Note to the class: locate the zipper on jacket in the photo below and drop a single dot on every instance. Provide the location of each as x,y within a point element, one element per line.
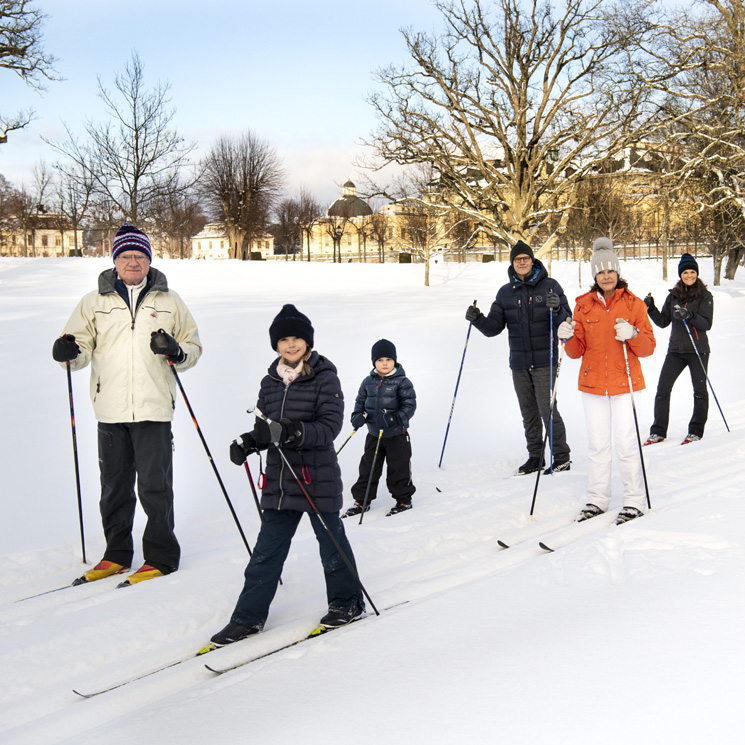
<point>281,459</point>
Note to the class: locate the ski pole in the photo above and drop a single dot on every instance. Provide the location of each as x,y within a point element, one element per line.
<point>209,456</point>
<point>369,478</point>
<point>550,419</point>
<point>344,557</point>
<point>636,423</point>
<point>256,497</point>
<point>457,383</point>
<point>75,455</point>
<point>551,383</point>
<point>690,336</point>
<point>253,488</point>
<point>346,441</point>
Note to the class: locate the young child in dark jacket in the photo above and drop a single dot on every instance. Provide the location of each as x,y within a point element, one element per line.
<point>386,402</point>
<point>302,406</point>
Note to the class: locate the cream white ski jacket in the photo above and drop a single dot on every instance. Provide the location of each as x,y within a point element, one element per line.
<point>128,382</point>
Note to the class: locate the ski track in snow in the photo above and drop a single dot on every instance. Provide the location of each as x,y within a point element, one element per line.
<point>637,628</point>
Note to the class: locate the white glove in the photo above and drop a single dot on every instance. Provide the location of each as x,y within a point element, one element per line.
<point>566,330</point>
<point>624,330</point>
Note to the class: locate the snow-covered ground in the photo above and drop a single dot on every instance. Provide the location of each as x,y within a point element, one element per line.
<point>632,634</point>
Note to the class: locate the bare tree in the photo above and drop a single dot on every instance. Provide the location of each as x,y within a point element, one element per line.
<point>8,200</point>
<point>336,227</point>
<point>241,181</point>
<point>135,157</point>
<point>379,230</point>
<point>22,52</point>
<point>286,230</point>
<point>177,217</point>
<point>513,103</point>
<point>309,212</point>
<point>74,191</point>
<point>702,60</point>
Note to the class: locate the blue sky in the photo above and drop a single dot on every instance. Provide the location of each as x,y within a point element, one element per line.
<point>296,73</point>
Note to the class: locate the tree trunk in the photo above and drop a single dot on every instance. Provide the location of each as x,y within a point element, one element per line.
<point>734,257</point>
<point>718,257</point>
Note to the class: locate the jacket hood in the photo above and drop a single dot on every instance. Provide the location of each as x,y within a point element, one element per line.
<point>156,280</point>
<point>316,362</point>
<point>397,372</point>
<point>624,295</point>
<point>537,274</point>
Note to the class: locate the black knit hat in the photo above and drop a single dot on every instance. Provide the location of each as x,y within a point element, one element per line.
<point>130,238</point>
<point>687,262</point>
<point>521,249</point>
<point>383,348</point>
<point>290,322</point>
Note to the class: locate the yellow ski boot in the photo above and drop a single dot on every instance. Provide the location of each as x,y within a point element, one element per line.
<point>101,570</point>
<point>143,573</point>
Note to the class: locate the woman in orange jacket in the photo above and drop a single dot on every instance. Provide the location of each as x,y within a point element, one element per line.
<point>604,319</point>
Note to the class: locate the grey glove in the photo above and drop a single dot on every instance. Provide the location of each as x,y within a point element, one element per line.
<point>552,300</point>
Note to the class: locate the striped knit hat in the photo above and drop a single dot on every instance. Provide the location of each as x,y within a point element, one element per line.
<point>687,262</point>
<point>130,238</point>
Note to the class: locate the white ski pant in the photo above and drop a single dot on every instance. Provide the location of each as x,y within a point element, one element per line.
<point>610,421</point>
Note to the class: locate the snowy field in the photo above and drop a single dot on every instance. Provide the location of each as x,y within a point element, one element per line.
<point>627,635</point>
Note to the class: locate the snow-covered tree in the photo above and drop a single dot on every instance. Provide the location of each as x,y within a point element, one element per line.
<point>513,103</point>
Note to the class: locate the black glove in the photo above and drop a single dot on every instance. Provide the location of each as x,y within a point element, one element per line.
<point>682,314</point>
<point>65,349</point>
<point>552,300</point>
<point>163,343</point>
<point>473,313</point>
<point>358,420</point>
<point>649,301</point>
<point>241,448</point>
<point>283,432</point>
<point>387,420</point>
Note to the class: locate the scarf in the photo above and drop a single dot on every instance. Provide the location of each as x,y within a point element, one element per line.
<point>287,373</point>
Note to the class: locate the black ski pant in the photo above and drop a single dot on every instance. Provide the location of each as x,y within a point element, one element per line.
<point>264,569</point>
<point>533,389</point>
<point>395,452</point>
<point>142,452</point>
<point>672,367</point>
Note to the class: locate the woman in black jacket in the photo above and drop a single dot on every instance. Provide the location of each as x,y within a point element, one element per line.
<point>688,303</point>
<point>301,411</point>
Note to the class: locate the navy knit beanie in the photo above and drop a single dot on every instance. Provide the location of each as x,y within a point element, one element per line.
<point>130,238</point>
<point>687,262</point>
<point>290,322</point>
<point>383,348</point>
<point>521,249</point>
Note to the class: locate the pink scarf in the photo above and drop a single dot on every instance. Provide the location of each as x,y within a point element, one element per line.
<point>287,373</point>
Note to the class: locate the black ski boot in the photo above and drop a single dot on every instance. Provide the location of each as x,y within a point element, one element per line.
<point>531,465</point>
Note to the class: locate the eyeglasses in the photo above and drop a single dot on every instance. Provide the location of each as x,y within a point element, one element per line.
<point>521,260</point>
<point>138,257</point>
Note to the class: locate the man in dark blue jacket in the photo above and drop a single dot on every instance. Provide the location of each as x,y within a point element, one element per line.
<point>524,306</point>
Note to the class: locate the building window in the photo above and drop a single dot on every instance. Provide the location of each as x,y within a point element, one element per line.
<point>44,240</point>
<point>58,240</point>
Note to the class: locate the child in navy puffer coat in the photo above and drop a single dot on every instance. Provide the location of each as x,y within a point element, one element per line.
<point>386,402</point>
<point>302,411</point>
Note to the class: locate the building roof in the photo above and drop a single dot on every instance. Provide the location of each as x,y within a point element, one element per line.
<point>349,204</point>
